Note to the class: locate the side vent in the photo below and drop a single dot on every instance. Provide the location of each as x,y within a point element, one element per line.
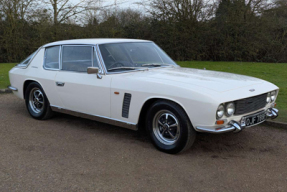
<point>126,105</point>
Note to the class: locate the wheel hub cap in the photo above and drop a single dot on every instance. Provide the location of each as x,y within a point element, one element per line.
<point>166,127</point>
<point>36,100</point>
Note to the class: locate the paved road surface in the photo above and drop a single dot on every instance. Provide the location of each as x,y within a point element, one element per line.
<point>73,154</point>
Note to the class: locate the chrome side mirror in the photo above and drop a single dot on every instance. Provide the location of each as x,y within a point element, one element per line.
<point>94,70</point>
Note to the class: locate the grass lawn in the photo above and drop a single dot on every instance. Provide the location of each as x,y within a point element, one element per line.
<point>274,72</point>
<point>4,78</point>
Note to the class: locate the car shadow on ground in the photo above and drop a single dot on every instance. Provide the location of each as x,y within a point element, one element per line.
<point>215,144</point>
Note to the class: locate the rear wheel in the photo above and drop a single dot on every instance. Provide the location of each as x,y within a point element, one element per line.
<point>37,103</point>
<point>169,127</point>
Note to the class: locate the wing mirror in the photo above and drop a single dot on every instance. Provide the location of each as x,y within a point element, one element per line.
<point>94,70</point>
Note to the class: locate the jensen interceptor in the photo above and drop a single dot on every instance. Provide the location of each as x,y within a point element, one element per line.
<point>134,84</point>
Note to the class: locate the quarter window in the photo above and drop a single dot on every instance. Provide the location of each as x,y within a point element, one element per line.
<point>26,61</point>
<point>52,57</point>
<point>77,58</point>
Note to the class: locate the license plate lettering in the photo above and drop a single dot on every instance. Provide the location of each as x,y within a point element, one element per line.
<point>261,117</point>
<point>255,119</point>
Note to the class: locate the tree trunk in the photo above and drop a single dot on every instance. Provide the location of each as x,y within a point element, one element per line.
<point>55,8</point>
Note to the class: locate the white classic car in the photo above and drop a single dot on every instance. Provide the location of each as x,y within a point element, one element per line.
<point>134,84</point>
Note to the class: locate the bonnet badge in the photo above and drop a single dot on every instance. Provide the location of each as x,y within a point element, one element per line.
<point>251,90</point>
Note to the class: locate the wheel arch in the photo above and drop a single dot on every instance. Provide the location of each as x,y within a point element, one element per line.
<point>148,103</point>
<point>27,82</point>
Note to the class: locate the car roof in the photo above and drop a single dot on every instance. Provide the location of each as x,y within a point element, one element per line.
<point>93,41</point>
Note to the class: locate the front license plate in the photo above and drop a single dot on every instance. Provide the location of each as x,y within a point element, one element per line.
<point>255,119</point>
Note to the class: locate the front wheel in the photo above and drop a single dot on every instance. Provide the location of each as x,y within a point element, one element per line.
<point>37,102</point>
<point>169,127</point>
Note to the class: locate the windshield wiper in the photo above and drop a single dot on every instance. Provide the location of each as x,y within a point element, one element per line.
<point>155,64</point>
<point>125,68</point>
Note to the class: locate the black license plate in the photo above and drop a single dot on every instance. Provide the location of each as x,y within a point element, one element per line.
<point>255,119</point>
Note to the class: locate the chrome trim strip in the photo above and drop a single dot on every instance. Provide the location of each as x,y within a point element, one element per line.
<point>50,69</point>
<point>60,57</point>
<point>129,71</point>
<point>100,57</point>
<point>223,130</point>
<point>141,41</point>
<point>102,119</point>
<point>96,51</point>
<point>61,43</point>
<point>12,88</point>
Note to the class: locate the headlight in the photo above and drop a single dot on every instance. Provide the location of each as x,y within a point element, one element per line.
<point>273,95</point>
<point>220,111</point>
<point>268,99</point>
<point>230,109</point>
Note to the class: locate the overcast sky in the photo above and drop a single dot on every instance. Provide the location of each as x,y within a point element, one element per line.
<point>120,3</point>
<point>123,3</point>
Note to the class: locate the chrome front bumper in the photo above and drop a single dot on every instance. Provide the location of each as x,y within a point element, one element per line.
<point>272,113</point>
<point>12,88</point>
<point>234,126</point>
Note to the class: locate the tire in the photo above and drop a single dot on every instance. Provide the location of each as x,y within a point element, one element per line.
<point>177,135</point>
<point>37,102</point>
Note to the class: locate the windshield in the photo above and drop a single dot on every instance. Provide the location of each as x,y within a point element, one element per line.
<point>132,56</point>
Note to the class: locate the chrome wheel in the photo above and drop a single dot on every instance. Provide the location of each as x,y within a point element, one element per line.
<point>36,100</point>
<point>166,127</point>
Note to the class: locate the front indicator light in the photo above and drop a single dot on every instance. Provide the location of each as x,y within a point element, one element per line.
<point>220,122</point>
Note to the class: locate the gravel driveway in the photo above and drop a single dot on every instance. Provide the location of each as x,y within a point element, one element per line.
<point>72,154</point>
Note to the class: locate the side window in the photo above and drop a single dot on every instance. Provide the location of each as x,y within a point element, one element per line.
<point>52,57</point>
<point>77,58</point>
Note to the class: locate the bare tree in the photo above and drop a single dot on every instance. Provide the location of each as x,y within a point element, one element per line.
<point>180,9</point>
<point>15,14</point>
<point>17,9</point>
<point>63,10</point>
<point>103,10</point>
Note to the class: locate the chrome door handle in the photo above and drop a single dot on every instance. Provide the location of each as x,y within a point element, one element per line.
<point>60,84</point>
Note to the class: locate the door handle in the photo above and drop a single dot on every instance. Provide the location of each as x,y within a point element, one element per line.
<point>60,84</point>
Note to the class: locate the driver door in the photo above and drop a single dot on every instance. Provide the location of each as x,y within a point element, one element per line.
<point>78,90</point>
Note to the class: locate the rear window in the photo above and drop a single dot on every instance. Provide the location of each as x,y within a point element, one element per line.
<point>52,57</point>
<point>26,61</point>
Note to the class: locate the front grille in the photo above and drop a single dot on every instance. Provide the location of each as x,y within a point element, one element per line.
<point>250,104</point>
